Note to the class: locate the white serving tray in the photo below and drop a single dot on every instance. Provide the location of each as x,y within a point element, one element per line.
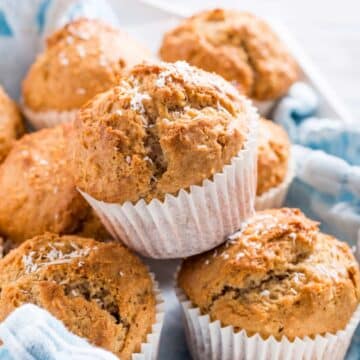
<point>173,345</point>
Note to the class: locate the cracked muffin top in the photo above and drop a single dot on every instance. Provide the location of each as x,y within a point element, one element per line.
<point>80,60</point>
<point>273,156</point>
<point>11,125</point>
<point>37,190</point>
<point>164,128</point>
<point>237,45</point>
<point>100,291</point>
<point>277,276</point>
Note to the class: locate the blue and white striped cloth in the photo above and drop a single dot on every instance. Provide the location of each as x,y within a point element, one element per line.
<point>32,333</point>
<point>327,185</point>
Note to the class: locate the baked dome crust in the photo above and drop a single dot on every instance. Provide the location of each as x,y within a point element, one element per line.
<point>238,46</point>
<point>278,276</point>
<point>100,291</point>
<point>164,128</point>
<point>81,59</point>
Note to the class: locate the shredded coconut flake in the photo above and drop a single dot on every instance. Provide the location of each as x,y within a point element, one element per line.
<point>63,59</point>
<point>81,50</point>
<point>69,40</point>
<point>265,293</point>
<point>43,162</point>
<point>194,76</point>
<point>136,102</point>
<point>74,292</point>
<point>103,61</point>
<point>234,236</point>
<point>146,158</point>
<point>128,159</point>
<point>28,262</point>
<point>80,34</point>
<point>328,272</point>
<point>81,91</point>
<point>239,255</point>
<point>54,257</point>
<point>293,291</point>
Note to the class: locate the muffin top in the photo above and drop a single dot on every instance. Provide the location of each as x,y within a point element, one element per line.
<point>37,190</point>
<point>237,45</point>
<point>11,126</point>
<point>100,291</point>
<point>273,156</point>
<point>80,60</point>
<point>164,128</point>
<point>278,275</point>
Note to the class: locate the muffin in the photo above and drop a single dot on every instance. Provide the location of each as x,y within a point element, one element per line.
<point>11,126</point>
<point>240,47</point>
<point>278,287</point>
<point>165,152</point>
<point>37,190</point>
<point>100,291</point>
<point>274,167</point>
<point>80,60</point>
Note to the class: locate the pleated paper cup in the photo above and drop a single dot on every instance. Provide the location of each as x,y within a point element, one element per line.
<point>50,118</point>
<point>150,348</point>
<point>209,340</point>
<point>275,197</point>
<point>194,221</point>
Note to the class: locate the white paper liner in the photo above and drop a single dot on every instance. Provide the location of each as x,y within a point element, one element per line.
<point>275,197</point>
<point>150,348</point>
<point>194,221</point>
<point>46,119</point>
<point>264,107</point>
<point>209,340</point>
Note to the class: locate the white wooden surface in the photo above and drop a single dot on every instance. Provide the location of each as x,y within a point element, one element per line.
<point>328,30</point>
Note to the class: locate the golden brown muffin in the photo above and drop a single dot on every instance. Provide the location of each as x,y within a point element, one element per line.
<point>277,276</point>
<point>11,125</point>
<point>237,45</point>
<point>164,128</point>
<point>100,291</point>
<point>82,59</point>
<point>273,156</point>
<point>37,190</point>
